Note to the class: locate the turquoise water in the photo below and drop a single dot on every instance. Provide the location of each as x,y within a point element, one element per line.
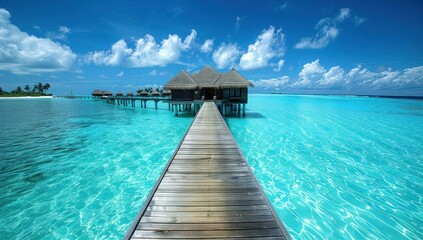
<point>338,167</point>
<point>79,169</point>
<point>333,167</point>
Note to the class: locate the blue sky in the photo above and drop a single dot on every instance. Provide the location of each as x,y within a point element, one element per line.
<point>345,47</point>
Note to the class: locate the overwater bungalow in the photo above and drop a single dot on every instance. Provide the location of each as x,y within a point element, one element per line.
<point>101,93</point>
<point>155,93</point>
<point>227,89</point>
<point>119,94</point>
<point>129,94</point>
<point>207,84</point>
<point>144,93</point>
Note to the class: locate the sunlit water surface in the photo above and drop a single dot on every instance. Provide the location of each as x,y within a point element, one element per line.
<point>333,167</point>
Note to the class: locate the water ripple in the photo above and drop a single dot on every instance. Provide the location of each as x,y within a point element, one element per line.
<point>337,167</point>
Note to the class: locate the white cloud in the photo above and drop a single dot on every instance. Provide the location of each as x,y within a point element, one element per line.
<point>314,75</point>
<point>328,30</point>
<point>278,66</point>
<point>207,46</point>
<point>104,76</point>
<point>21,53</point>
<point>358,20</point>
<point>157,73</point>
<point>60,34</point>
<point>226,55</point>
<point>112,57</point>
<point>311,73</point>
<point>272,82</point>
<point>269,44</point>
<point>189,40</point>
<point>411,76</point>
<point>238,22</point>
<point>332,77</point>
<point>146,53</point>
<point>120,74</point>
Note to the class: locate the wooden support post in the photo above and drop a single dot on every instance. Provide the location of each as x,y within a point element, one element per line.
<point>243,109</point>
<point>173,106</point>
<point>169,106</point>
<point>238,109</point>
<point>155,102</point>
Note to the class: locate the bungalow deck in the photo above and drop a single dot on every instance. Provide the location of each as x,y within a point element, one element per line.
<point>207,191</point>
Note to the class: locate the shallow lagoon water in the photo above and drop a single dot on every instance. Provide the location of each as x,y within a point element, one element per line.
<point>79,169</point>
<point>337,167</point>
<point>333,167</point>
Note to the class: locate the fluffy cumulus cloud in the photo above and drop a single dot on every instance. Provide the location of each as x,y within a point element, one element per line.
<point>268,45</point>
<point>314,76</point>
<point>21,53</point>
<point>226,55</point>
<point>147,52</point>
<point>272,83</point>
<point>113,57</point>
<point>332,77</point>
<point>207,46</point>
<point>310,73</point>
<point>327,30</point>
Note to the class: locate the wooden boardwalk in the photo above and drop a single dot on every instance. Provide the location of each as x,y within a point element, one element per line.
<point>207,191</point>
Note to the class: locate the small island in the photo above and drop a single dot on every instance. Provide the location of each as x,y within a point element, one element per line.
<point>38,90</point>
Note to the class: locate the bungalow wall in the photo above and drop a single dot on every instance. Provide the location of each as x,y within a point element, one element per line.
<point>235,95</point>
<point>182,95</point>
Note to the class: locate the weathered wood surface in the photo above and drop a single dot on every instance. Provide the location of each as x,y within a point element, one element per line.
<point>207,191</point>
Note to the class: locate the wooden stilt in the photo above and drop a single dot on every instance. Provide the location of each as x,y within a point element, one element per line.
<point>243,109</point>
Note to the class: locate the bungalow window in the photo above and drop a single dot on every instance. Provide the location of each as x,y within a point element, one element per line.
<point>235,92</point>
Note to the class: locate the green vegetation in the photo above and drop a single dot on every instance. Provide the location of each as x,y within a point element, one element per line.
<point>37,90</point>
<point>149,90</point>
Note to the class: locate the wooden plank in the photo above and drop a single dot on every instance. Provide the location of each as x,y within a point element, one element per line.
<point>207,226</point>
<point>207,191</point>
<point>210,234</point>
<point>207,204</point>
<point>207,209</point>
<point>209,219</point>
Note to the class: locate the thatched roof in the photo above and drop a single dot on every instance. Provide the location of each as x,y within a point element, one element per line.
<point>181,81</point>
<point>100,93</point>
<point>156,93</point>
<point>206,77</point>
<point>129,94</point>
<point>119,93</point>
<point>233,80</point>
<point>143,93</point>
<point>97,92</point>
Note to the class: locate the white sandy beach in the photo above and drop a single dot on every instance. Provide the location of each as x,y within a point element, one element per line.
<point>26,97</point>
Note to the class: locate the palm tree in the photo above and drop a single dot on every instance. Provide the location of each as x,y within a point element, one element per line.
<point>34,89</point>
<point>1,90</point>
<point>46,87</point>
<point>40,87</point>
<point>18,89</point>
<point>27,88</point>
